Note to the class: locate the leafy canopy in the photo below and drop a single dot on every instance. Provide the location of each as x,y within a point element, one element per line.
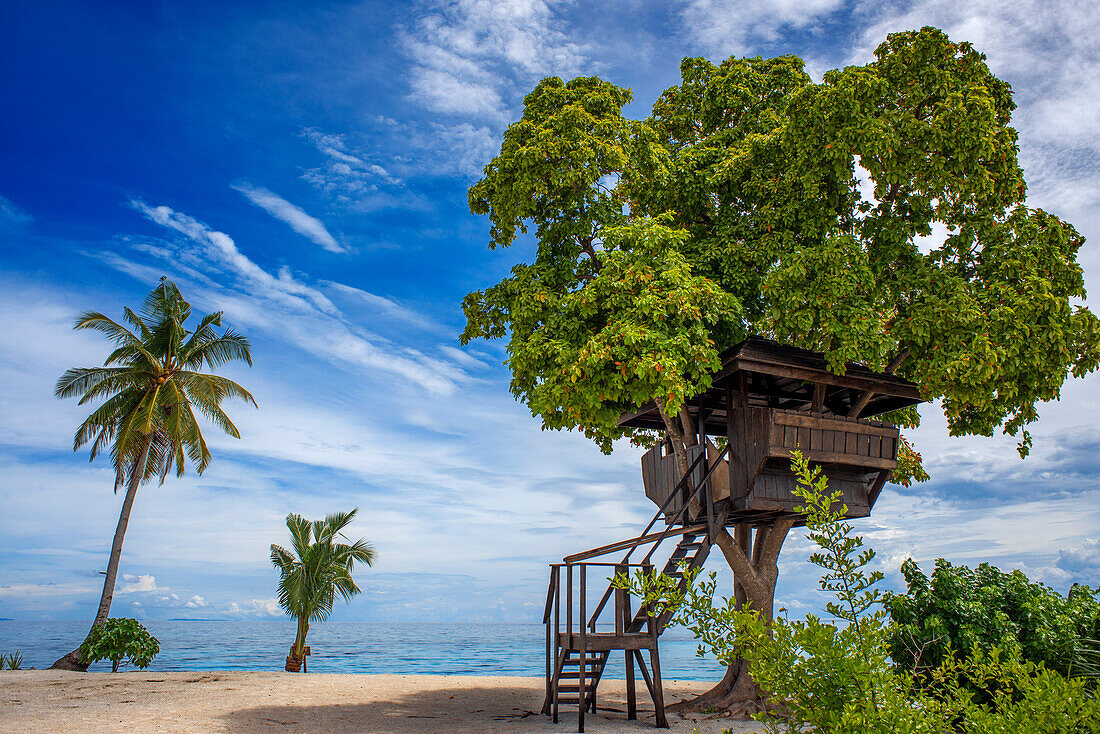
<point>151,385</point>
<point>118,639</point>
<point>735,208</point>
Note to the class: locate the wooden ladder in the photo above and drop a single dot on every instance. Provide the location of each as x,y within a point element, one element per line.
<point>577,657</point>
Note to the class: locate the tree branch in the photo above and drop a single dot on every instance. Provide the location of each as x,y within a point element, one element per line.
<point>896,361</point>
<point>587,249</point>
<point>747,576</point>
<point>675,437</point>
<point>860,403</point>
<point>688,428</point>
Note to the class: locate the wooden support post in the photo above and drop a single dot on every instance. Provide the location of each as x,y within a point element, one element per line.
<point>569,602</point>
<point>559,658</point>
<point>817,407</point>
<point>656,690</point>
<point>551,657</point>
<point>582,703</point>
<point>631,696</point>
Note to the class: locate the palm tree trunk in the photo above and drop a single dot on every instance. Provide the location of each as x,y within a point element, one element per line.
<point>296,661</point>
<point>74,660</point>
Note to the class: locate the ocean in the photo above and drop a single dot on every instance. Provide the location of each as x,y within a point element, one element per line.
<point>347,647</point>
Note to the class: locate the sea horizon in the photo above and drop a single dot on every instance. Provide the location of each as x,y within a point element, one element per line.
<point>411,648</point>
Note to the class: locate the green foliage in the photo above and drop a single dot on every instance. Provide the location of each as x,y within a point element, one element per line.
<point>151,386</point>
<point>837,676</point>
<point>12,661</point>
<point>1086,661</point>
<point>317,568</point>
<point>961,610</point>
<point>117,639</point>
<point>735,209</point>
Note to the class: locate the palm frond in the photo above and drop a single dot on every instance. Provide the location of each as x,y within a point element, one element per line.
<point>79,380</point>
<point>148,390</point>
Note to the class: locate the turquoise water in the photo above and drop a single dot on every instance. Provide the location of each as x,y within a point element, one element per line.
<point>346,647</point>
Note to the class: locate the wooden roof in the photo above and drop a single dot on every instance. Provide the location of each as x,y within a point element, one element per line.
<point>784,377</point>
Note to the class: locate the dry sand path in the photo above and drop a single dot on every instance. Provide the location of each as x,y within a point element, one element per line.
<point>243,703</point>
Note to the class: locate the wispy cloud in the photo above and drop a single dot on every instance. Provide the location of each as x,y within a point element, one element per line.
<point>11,216</point>
<point>385,307</point>
<point>304,314</point>
<point>345,174</point>
<point>733,27</point>
<point>465,53</point>
<point>220,247</point>
<point>304,224</point>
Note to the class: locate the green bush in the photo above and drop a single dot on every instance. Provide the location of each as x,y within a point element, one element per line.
<point>836,676</point>
<point>962,610</point>
<point>14,661</point>
<point>119,639</point>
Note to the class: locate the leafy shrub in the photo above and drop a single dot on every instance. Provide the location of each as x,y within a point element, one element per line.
<point>963,610</point>
<point>837,676</point>
<point>117,639</point>
<point>14,661</point>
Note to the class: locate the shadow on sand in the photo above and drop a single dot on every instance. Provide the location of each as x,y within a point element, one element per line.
<point>444,710</point>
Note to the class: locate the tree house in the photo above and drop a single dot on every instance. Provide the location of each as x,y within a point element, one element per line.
<point>766,401</point>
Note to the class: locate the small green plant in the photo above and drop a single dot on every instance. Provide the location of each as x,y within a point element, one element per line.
<point>118,639</point>
<point>13,661</point>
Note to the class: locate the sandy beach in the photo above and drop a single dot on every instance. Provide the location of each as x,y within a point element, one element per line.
<point>96,703</point>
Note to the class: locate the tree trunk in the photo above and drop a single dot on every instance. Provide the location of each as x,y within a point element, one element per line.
<point>754,558</point>
<point>296,661</point>
<point>74,660</point>
<point>755,564</point>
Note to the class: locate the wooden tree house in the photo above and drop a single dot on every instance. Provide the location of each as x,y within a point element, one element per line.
<point>765,401</point>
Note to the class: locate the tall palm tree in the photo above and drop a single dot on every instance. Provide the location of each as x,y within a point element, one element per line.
<point>318,569</point>
<point>151,387</point>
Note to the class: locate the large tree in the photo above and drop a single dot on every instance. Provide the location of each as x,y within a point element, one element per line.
<point>742,205</point>
<point>151,387</point>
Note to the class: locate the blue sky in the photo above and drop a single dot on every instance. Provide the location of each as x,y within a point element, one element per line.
<point>303,167</point>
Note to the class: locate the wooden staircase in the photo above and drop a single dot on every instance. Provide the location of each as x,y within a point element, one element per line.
<point>577,656</point>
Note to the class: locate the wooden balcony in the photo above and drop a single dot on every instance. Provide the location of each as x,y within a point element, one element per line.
<point>856,455</point>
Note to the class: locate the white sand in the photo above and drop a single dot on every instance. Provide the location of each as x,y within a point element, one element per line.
<point>138,702</point>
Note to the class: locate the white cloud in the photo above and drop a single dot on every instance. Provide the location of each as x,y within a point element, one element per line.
<point>26,592</point>
<point>196,602</point>
<point>465,53</point>
<point>139,584</point>
<point>255,608</point>
<point>304,224</point>
<point>732,27</point>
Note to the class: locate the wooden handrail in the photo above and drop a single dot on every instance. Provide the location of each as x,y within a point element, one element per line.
<point>550,593</point>
<point>698,488</point>
<point>640,540</point>
<point>668,528</point>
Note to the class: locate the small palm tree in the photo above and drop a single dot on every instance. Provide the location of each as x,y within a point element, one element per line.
<point>316,570</point>
<point>151,388</point>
